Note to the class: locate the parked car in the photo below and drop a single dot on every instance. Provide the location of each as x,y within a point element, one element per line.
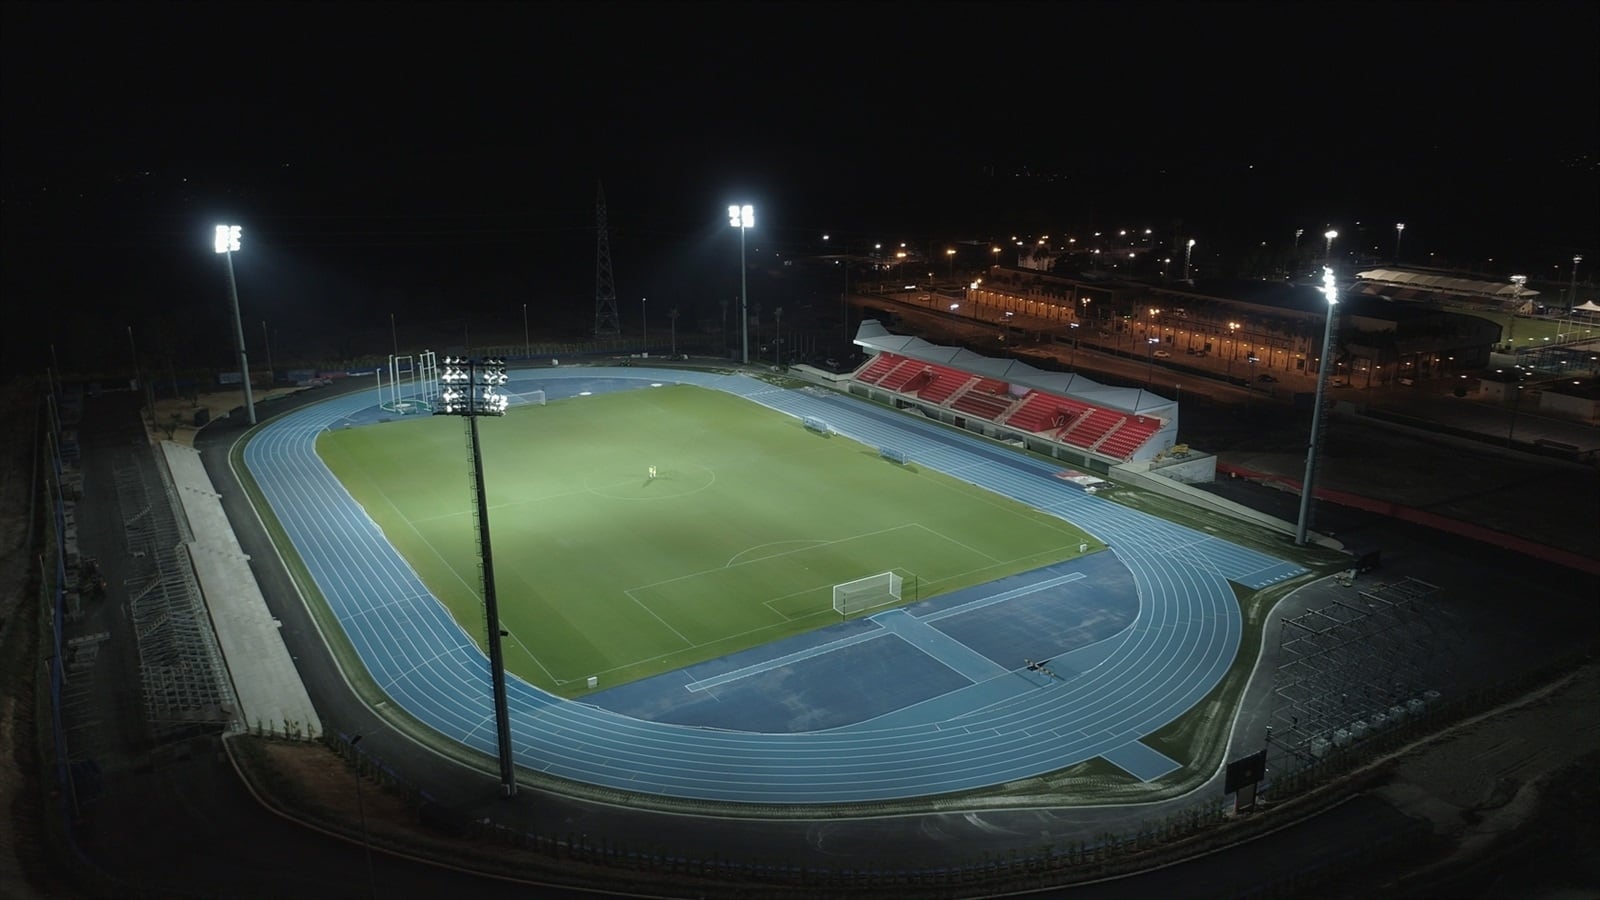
<point>1162,354</point>
<point>1264,378</point>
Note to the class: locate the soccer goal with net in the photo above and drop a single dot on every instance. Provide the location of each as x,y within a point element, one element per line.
<point>866,593</point>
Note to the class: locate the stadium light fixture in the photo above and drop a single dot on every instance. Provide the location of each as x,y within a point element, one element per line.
<point>1399,232</point>
<point>1331,292</point>
<point>227,241</point>
<point>1327,249</point>
<point>742,218</point>
<point>473,389</point>
<point>1517,281</point>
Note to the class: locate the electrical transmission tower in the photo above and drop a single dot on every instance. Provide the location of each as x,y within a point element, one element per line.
<point>605,290</point>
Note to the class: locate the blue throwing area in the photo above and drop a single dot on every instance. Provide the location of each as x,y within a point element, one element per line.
<point>928,699</point>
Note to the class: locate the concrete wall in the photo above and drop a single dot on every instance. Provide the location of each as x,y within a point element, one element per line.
<point>1196,468</point>
<point>1139,475</point>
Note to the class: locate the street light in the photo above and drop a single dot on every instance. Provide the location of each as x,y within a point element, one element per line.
<point>1330,291</point>
<point>1573,300</point>
<point>266,342</point>
<point>777,340</point>
<point>743,217</point>
<point>527,347</point>
<point>1233,345</point>
<point>950,253</point>
<point>644,325</point>
<point>1517,281</point>
<point>672,317</point>
<point>1327,250</point>
<point>1399,231</point>
<point>471,388</point>
<point>227,241</point>
<point>1187,251</point>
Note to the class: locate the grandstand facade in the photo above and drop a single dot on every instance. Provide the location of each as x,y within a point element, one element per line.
<point>1063,415</point>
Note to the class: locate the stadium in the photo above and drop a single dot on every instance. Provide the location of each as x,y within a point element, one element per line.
<point>707,610</point>
<point>693,636</point>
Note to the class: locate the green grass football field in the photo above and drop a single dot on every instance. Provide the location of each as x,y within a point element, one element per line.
<point>738,541</point>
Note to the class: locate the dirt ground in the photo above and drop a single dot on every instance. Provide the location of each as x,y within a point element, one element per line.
<point>175,418</point>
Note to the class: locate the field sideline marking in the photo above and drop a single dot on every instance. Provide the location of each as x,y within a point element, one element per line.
<point>470,589</point>
<point>815,543</point>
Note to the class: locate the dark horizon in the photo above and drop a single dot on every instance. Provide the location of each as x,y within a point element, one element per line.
<point>446,157</point>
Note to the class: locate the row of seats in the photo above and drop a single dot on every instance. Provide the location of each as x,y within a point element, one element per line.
<point>1134,432</point>
<point>1069,421</point>
<point>982,404</point>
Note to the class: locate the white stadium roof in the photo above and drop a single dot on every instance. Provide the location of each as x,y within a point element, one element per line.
<point>1446,284</point>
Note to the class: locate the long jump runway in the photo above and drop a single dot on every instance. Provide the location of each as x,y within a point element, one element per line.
<point>984,732</point>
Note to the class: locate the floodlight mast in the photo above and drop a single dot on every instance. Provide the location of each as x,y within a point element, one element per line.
<point>471,393</point>
<point>742,217</point>
<point>227,241</point>
<point>1330,291</point>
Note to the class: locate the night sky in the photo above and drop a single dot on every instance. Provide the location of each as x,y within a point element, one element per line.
<point>440,161</point>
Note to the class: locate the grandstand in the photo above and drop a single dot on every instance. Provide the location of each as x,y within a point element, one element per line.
<point>1064,415</point>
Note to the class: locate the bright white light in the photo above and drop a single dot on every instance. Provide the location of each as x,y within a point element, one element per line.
<point>1399,226</point>
<point>742,216</point>
<point>1330,234</point>
<point>1191,242</point>
<point>227,238</point>
<point>1328,290</point>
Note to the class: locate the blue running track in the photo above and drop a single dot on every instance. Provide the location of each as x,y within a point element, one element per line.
<point>985,733</point>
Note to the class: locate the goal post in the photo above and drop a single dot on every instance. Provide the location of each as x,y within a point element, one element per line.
<point>871,592</point>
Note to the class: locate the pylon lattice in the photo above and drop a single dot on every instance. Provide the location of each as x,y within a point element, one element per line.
<point>605,290</point>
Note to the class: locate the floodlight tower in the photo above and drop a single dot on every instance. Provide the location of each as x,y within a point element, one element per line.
<point>1330,291</point>
<point>1188,250</point>
<point>227,241</point>
<point>470,391</point>
<point>1327,249</point>
<point>1399,232</point>
<point>742,218</point>
<point>1573,299</point>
